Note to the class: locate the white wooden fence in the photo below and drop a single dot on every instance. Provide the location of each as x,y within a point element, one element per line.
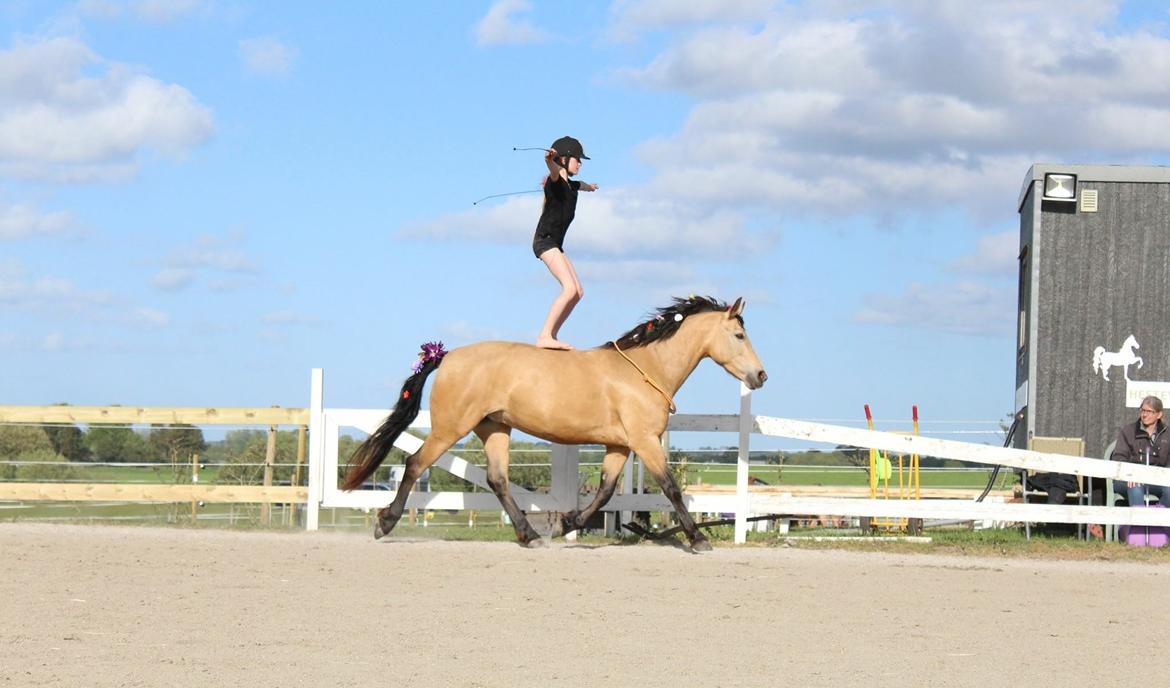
<point>325,425</point>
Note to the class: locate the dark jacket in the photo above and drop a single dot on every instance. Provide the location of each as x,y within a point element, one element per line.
<point>1133,440</point>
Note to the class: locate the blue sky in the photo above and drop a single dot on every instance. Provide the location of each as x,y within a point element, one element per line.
<point>201,200</point>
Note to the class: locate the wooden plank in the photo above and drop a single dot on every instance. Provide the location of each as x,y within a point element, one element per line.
<point>139,492</point>
<point>962,451</point>
<point>129,415</point>
<point>844,491</point>
<point>942,509</point>
<point>962,510</point>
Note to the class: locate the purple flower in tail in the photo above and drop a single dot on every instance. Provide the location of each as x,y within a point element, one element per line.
<point>431,351</point>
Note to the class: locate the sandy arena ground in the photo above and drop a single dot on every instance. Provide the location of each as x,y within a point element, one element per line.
<point>110,606</point>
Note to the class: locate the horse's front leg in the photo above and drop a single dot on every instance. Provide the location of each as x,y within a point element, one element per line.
<point>611,468</point>
<point>654,459</point>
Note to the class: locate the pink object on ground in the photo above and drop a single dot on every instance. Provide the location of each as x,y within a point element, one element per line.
<point>1145,536</point>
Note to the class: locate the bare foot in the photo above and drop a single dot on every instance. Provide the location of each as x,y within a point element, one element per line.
<point>550,343</point>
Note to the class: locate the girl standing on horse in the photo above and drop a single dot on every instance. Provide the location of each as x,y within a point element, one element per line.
<point>560,204</point>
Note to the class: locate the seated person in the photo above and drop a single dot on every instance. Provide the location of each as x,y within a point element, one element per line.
<point>1143,441</point>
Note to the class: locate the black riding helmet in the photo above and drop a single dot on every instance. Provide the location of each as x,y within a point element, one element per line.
<point>567,146</point>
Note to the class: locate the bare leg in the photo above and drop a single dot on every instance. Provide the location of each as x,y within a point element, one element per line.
<point>560,267</point>
<point>579,293</point>
<point>654,460</point>
<point>432,448</point>
<point>495,438</point>
<point>611,467</point>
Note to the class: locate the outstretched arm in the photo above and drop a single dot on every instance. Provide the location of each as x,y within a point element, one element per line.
<point>586,186</point>
<point>555,171</point>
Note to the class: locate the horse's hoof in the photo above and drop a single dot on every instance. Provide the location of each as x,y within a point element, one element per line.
<point>382,528</point>
<point>701,546</point>
<point>567,523</point>
<point>535,543</point>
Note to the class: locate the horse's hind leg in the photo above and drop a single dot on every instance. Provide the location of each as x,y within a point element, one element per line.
<point>611,468</point>
<point>430,451</point>
<point>495,438</point>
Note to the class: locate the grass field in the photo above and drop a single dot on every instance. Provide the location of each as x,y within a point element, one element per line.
<point>247,515</point>
<point>843,476</point>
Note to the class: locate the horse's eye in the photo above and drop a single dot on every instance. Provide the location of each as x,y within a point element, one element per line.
<point>739,335</point>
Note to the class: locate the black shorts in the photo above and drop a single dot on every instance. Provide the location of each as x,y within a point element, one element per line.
<point>543,242</point>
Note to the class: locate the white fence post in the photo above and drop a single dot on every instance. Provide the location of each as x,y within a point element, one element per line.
<point>742,503</point>
<point>316,447</point>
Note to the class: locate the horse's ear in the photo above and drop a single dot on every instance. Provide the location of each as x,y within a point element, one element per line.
<point>736,309</point>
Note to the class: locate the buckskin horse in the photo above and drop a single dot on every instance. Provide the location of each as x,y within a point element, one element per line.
<point>619,395</point>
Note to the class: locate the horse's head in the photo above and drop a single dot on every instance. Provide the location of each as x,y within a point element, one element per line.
<point>1130,343</point>
<point>729,346</point>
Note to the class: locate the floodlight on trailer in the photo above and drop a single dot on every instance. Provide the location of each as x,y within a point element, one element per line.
<point>1059,186</point>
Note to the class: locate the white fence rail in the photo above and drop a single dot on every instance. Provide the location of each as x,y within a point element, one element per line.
<point>563,495</point>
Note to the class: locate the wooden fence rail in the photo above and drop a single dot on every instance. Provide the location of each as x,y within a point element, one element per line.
<point>162,493</point>
<point>127,415</point>
<point>156,493</point>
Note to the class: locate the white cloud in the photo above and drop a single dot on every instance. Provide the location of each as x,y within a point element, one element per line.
<point>500,27</point>
<point>628,272</point>
<point>290,318</point>
<point>218,253</point>
<point>959,307</point>
<point>208,255</point>
<point>19,290</point>
<point>461,332</point>
<point>156,11</point>
<point>68,115</point>
<point>149,317</point>
<point>613,221</point>
<point>996,254</point>
<point>267,56</point>
<point>173,279</point>
<point>628,19</point>
<point>846,108</point>
<point>53,342</point>
<point>24,222</point>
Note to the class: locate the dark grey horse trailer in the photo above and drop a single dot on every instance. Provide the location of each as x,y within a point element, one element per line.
<point>1093,334</point>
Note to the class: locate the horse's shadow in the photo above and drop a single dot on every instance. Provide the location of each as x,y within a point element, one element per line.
<point>671,542</point>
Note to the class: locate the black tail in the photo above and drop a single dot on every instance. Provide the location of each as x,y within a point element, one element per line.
<point>371,453</point>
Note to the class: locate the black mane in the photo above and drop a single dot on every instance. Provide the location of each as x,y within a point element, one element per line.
<point>664,322</point>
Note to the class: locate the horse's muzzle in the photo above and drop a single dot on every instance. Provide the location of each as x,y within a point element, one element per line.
<point>756,380</point>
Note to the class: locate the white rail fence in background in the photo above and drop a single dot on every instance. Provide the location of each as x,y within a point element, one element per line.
<point>564,493</point>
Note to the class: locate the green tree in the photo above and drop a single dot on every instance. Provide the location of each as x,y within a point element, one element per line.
<point>20,441</point>
<point>68,441</point>
<point>178,443</point>
<point>29,445</point>
<point>115,444</point>
<point>245,451</point>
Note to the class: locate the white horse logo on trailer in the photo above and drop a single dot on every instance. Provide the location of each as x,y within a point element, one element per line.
<point>1124,357</point>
